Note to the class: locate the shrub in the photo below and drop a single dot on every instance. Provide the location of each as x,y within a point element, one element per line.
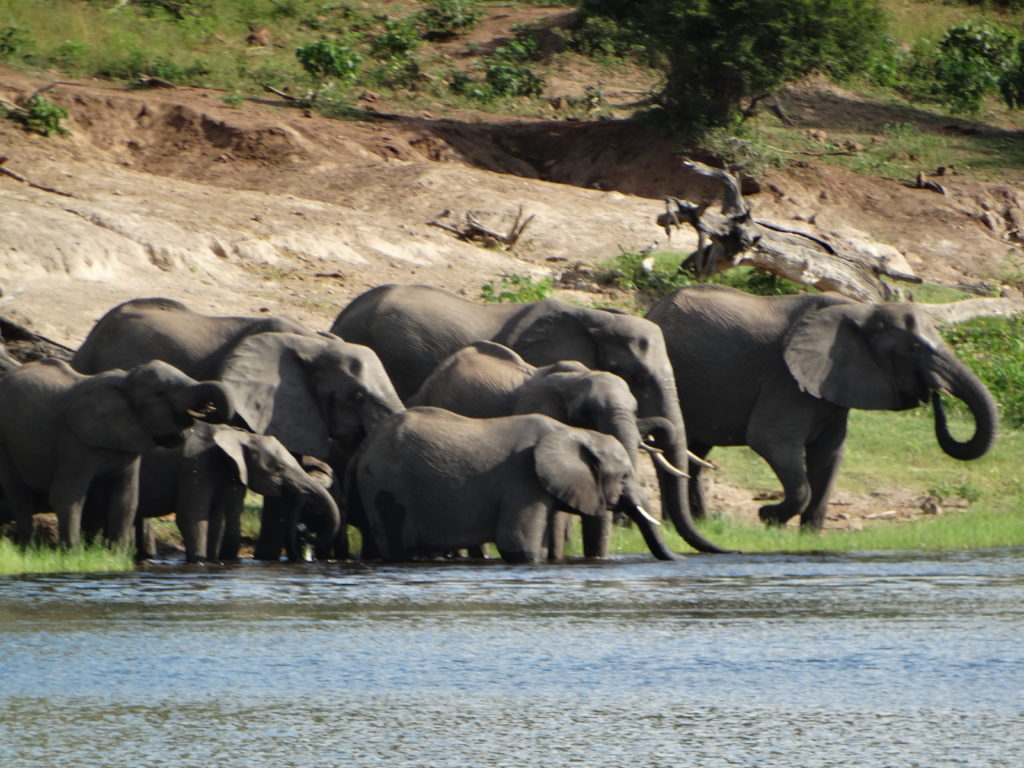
<point>445,19</point>
<point>14,42</point>
<point>971,59</point>
<point>329,58</point>
<point>41,116</point>
<point>516,289</point>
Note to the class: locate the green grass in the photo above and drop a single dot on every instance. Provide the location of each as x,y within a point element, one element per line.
<point>94,558</point>
<point>884,450</point>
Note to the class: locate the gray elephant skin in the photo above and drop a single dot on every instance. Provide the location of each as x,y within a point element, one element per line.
<point>781,373</point>
<point>306,389</point>
<point>412,328</point>
<point>486,380</point>
<point>204,481</point>
<point>430,481</point>
<point>67,439</point>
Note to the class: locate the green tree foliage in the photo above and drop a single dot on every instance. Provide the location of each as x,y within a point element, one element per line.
<point>725,55</point>
<point>972,59</point>
<point>326,59</point>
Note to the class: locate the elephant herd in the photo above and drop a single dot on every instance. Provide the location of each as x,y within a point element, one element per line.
<point>435,424</point>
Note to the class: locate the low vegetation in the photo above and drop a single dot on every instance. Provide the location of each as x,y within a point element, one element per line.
<point>93,558</point>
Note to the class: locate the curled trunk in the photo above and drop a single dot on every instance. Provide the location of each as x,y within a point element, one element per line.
<point>210,401</point>
<point>965,386</point>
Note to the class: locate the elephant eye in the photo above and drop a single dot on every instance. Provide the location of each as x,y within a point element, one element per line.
<point>358,396</point>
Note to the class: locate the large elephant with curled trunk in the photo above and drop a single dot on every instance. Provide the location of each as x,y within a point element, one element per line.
<point>412,328</point>
<point>781,373</point>
<point>68,441</point>
<point>486,380</point>
<point>430,481</point>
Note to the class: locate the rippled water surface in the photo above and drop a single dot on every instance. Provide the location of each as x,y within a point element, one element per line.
<point>865,660</point>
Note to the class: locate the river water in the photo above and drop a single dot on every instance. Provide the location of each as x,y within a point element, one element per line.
<point>756,661</point>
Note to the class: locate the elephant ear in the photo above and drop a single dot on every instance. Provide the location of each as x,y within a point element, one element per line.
<point>550,331</point>
<point>232,442</point>
<point>569,469</point>
<point>100,414</point>
<point>269,375</point>
<point>829,354</point>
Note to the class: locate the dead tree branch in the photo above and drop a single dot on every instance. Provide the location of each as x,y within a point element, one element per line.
<point>473,230</point>
<point>23,180</point>
<point>733,237</point>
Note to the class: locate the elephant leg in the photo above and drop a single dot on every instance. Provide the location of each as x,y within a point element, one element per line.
<point>787,462</point>
<point>824,455</point>
<point>145,539</point>
<point>273,521</point>
<point>698,504</point>
<point>122,505</point>
<point>523,527</point>
<point>597,535</point>
<point>224,536</point>
<point>559,530</point>
<point>68,493</point>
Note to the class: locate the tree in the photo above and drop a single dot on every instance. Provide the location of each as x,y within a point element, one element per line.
<point>725,55</point>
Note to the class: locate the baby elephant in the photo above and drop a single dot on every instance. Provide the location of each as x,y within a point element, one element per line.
<point>430,481</point>
<point>204,483</point>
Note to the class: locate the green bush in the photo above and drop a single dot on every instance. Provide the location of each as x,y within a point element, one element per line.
<point>445,19</point>
<point>993,347</point>
<point>648,275</point>
<point>971,59</point>
<point>41,116</point>
<point>517,289</point>
<point>14,42</point>
<point>329,58</point>
<point>724,55</point>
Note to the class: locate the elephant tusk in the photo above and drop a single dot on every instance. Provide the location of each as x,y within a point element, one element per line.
<point>647,515</point>
<point>659,458</point>
<point>699,461</point>
<point>671,467</point>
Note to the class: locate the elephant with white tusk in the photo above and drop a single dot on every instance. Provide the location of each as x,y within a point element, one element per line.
<point>486,380</point>
<point>412,328</point>
<point>431,481</point>
<point>781,373</point>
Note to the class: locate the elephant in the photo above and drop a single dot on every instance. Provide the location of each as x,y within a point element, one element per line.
<point>485,380</point>
<point>164,329</point>
<point>204,481</point>
<point>69,440</point>
<point>430,481</point>
<point>312,391</point>
<point>781,373</point>
<point>412,328</point>
<point>286,525</point>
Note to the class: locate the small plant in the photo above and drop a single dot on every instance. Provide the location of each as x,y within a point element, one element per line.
<point>399,39</point>
<point>39,115</point>
<point>758,281</point>
<point>327,59</point>
<point>13,41</point>
<point>517,289</point>
<point>445,19</point>
<point>232,98</point>
<point>963,489</point>
<point>642,272</point>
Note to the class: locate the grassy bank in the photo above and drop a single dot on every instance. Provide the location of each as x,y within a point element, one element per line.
<point>983,500</point>
<point>43,559</point>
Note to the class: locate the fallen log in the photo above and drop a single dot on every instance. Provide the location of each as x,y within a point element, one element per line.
<point>733,237</point>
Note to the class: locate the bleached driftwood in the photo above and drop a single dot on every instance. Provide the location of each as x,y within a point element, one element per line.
<point>474,230</point>
<point>958,311</point>
<point>733,237</point>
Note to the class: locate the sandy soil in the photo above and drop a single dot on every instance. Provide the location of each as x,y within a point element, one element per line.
<point>266,208</point>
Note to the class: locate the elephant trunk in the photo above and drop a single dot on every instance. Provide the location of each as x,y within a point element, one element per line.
<point>966,387</point>
<point>209,401</point>
<point>661,399</point>
<point>631,504</point>
<point>317,519</point>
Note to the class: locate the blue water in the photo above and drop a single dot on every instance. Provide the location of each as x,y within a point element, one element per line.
<point>795,661</point>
